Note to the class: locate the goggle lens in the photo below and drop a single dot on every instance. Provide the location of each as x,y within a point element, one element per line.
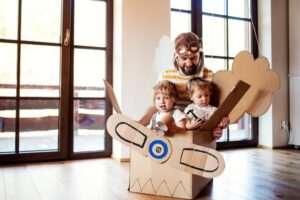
<point>193,47</point>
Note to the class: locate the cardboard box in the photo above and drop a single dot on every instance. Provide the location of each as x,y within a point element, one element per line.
<point>152,178</point>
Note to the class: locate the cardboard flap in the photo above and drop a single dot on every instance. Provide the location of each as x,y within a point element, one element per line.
<point>112,96</point>
<point>227,106</point>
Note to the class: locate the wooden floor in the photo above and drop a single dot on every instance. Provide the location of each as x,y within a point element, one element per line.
<point>249,174</point>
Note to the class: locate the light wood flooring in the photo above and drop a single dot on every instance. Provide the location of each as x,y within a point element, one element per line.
<point>249,174</point>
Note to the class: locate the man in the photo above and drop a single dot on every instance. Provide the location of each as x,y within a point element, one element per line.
<point>189,63</point>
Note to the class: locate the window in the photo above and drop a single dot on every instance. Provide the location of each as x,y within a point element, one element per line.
<point>52,99</point>
<point>225,28</point>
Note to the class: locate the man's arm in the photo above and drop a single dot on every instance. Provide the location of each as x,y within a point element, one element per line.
<point>145,120</point>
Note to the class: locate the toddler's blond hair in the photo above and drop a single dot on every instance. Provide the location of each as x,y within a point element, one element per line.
<point>166,88</point>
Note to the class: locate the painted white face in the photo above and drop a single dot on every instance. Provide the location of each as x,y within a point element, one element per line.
<point>189,63</point>
<point>163,102</point>
<point>201,97</point>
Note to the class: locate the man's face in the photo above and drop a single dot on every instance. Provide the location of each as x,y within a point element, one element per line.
<point>189,63</point>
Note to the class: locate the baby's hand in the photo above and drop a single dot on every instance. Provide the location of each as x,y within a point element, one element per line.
<point>224,122</point>
<point>195,124</point>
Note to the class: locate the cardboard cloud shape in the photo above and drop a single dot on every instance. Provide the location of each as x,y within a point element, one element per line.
<point>257,73</point>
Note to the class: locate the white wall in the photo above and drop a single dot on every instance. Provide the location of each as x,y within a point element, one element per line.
<point>294,37</point>
<point>138,28</point>
<point>294,70</point>
<point>273,40</point>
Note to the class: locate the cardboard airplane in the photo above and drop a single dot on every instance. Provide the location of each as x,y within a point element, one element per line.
<point>195,159</point>
<point>155,160</point>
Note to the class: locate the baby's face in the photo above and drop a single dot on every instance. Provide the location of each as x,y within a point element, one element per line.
<point>163,102</point>
<point>201,97</point>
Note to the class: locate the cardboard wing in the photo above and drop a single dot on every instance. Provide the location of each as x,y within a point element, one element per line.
<point>191,158</point>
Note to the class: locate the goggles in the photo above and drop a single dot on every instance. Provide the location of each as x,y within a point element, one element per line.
<point>193,47</point>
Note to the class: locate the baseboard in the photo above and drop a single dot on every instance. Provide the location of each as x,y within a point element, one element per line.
<point>121,159</point>
<point>274,147</point>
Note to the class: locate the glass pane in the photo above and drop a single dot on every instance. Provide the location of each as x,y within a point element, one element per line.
<point>239,36</point>
<point>7,125</point>
<point>180,22</point>
<point>181,4</point>
<point>224,137</point>
<point>214,36</point>
<point>8,19</point>
<point>89,72</point>
<point>8,69</point>
<point>215,64</point>
<point>41,20</point>
<point>214,6</point>
<point>40,71</point>
<point>241,130</point>
<point>243,8</point>
<point>90,23</point>
<point>89,125</point>
<point>39,125</point>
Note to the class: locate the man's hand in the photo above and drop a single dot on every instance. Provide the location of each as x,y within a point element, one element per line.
<point>224,122</point>
<point>216,133</point>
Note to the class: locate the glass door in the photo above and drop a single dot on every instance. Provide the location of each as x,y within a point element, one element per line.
<point>54,54</point>
<point>89,70</point>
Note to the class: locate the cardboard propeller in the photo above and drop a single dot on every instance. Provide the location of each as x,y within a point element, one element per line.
<point>255,72</point>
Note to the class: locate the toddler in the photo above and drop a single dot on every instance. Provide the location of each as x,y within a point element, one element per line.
<point>200,110</point>
<point>164,98</point>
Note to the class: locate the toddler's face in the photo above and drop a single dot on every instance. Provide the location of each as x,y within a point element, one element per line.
<point>201,97</point>
<point>163,102</point>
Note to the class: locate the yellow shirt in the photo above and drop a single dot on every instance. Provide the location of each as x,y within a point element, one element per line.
<point>180,81</point>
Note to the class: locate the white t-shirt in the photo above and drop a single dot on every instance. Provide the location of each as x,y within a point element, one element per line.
<point>176,114</point>
<point>194,112</point>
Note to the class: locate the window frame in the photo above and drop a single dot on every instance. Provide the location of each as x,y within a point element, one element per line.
<point>65,144</point>
<point>196,27</point>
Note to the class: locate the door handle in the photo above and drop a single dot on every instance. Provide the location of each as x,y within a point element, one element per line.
<point>67,37</point>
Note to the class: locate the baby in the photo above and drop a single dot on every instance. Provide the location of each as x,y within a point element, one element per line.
<point>164,98</point>
<point>200,110</point>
